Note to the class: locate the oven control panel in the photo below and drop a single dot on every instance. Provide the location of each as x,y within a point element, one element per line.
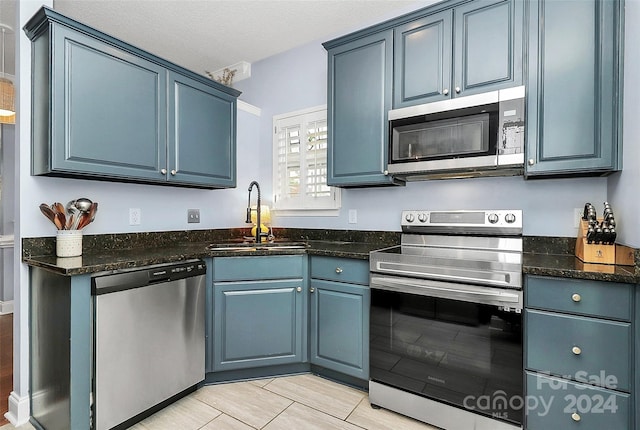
<point>499,221</point>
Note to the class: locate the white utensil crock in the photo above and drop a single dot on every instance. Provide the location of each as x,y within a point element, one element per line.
<point>69,243</point>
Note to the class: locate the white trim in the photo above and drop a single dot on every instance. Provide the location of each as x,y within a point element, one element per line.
<point>249,108</point>
<point>6,307</point>
<point>298,112</point>
<point>18,410</point>
<point>6,241</point>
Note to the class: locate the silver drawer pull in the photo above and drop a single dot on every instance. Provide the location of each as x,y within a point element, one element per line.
<point>575,416</point>
<point>338,270</point>
<point>576,350</point>
<point>299,289</point>
<point>311,290</point>
<point>576,298</point>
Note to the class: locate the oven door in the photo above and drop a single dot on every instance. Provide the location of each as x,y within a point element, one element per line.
<point>460,353</point>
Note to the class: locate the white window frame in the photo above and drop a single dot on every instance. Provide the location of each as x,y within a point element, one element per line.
<point>301,206</point>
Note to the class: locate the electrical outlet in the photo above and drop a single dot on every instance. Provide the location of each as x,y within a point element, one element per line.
<point>353,216</point>
<point>193,215</point>
<point>577,215</point>
<point>135,215</point>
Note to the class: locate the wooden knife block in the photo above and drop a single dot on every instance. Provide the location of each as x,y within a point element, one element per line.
<point>593,252</point>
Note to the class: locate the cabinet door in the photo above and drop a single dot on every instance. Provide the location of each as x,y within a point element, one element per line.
<point>108,112</point>
<point>202,134</point>
<point>359,98</point>
<point>488,46</point>
<point>422,60</point>
<point>340,327</point>
<point>573,87</point>
<point>257,323</point>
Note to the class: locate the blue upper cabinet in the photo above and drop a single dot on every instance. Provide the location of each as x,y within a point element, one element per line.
<point>574,87</point>
<point>104,109</point>
<point>472,48</point>
<point>202,133</point>
<point>359,98</point>
<point>423,60</point>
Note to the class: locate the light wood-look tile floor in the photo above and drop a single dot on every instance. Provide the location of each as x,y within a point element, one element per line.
<point>305,402</point>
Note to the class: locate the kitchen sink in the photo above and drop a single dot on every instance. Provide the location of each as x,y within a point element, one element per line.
<point>252,246</point>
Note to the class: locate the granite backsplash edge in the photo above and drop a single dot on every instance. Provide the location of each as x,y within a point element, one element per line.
<point>39,246</point>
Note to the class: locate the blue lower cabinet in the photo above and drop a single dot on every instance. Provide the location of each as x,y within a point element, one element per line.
<point>258,323</point>
<point>339,324</point>
<point>555,403</point>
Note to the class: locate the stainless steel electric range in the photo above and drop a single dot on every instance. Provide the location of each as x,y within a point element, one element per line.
<point>446,320</point>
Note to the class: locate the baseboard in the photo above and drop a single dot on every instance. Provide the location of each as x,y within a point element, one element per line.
<point>6,307</point>
<point>18,409</point>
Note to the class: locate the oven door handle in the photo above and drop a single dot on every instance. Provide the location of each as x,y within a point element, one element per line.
<point>463,292</point>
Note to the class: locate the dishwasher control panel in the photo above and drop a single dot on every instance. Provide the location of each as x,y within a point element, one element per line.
<point>119,280</point>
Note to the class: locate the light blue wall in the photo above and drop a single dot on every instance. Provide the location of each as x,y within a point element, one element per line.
<point>297,79</point>
<point>624,187</point>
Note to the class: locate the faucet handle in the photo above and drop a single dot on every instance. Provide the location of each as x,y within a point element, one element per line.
<point>248,221</point>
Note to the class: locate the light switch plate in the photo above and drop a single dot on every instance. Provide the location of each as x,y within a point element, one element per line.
<point>135,216</point>
<point>193,215</point>
<point>353,216</point>
<point>577,215</point>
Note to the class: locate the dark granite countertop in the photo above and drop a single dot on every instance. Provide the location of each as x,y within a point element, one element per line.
<point>568,266</point>
<point>543,256</point>
<point>157,249</point>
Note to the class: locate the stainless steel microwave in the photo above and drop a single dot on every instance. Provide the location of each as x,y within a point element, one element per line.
<point>476,135</point>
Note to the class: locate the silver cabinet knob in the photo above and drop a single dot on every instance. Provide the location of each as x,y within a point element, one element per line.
<point>445,91</point>
<point>385,172</point>
<point>312,290</point>
<point>173,172</point>
<point>576,298</point>
<point>163,171</point>
<point>458,90</point>
<point>576,350</point>
<point>531,162</point>
<point>338,270</point>
<point>575,416</point>
<point>299,289</point>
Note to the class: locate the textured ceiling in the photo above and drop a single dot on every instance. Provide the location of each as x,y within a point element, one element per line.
<point>207,35</point>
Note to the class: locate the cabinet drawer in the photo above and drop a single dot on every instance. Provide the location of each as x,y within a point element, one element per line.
<point>579,347</point>
<point>552,403</point>
<point>340,269</point>
<point>603,299</point>
<point>257,268</point>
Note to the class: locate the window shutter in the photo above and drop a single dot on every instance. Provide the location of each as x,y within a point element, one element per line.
<point>300,162</point>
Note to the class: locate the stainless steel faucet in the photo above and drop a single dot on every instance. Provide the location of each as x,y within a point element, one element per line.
<point>259,233</point>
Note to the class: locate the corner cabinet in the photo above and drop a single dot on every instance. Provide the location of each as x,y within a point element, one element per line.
<point>103,109</point>
<point>358,100</point>
<point>579,347</point>
<point>574,99</point>
<point>258,312</point>
<point>472,48</point>
<point>339,315</point>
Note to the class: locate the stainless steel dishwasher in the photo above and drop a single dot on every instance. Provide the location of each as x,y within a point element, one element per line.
<point>149,339</point>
